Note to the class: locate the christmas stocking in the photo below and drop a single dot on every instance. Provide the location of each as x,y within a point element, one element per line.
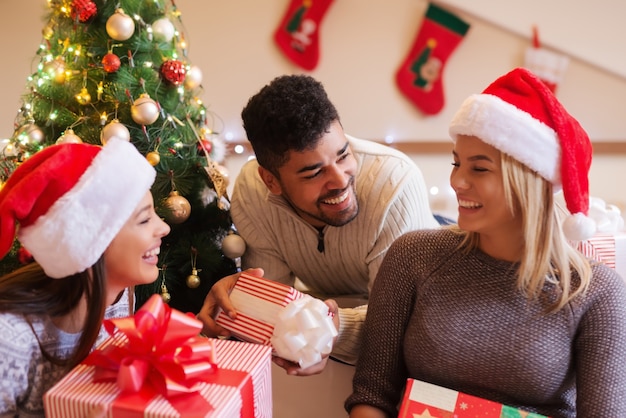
<point>297,35</point>
<point>549,66</point>
<point>419,76</point>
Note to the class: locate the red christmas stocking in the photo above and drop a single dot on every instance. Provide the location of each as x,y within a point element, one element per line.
<point>297,35</point>
<point>419,76</point>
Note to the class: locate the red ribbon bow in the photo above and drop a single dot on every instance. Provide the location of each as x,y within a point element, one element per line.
<point>161,354</point>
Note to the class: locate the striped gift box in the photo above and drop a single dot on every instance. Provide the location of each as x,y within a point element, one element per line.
<point>77,396</point>
<point>258,302</point>
<point>609,249</point>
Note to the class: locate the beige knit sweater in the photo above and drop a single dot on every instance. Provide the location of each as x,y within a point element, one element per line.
<point>392,198</point>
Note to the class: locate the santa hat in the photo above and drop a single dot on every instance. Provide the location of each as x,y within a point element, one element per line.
<point>70,201</point>
<point>520,116</point>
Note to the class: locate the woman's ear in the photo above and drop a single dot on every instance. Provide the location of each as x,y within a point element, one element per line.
<point>270,180</point>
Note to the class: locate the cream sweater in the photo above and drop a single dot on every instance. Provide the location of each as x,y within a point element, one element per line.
<point>392,198</point>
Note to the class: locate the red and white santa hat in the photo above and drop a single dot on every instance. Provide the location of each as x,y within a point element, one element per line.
<point>70,201</point>
<point>520,116</point>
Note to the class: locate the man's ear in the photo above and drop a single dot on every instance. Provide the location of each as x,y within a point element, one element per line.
<point>270,180</point>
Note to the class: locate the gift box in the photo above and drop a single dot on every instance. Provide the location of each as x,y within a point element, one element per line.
<point>422,399</point>
<point>608,248</point>
<point>297,326</point>
<point>155,364</point>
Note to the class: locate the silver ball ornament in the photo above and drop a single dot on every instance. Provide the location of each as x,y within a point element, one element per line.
<point>233,246</point>
<point>120,26</point>
<point>163,30</point>
<point>193,78</point>
<point>69,137</point>
<point>144,110</point>
<point>30,133</point>
<point>115,129</point>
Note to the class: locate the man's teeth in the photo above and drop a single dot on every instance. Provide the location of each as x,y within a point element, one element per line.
<point>469,204</point>
<point>152,253</point>
<point>337,199</point>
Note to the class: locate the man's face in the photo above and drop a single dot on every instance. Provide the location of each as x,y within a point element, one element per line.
<point>319,183</point>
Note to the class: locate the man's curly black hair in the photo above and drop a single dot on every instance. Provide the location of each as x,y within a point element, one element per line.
<point>292,112</point>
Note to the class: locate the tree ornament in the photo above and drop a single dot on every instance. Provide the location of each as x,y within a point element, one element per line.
<point>163,30</point>
<point>233,246</point>
<point>115,129</point>
<point>219,183</point>
<point>193,280</point>
<point>24,256</point>
<point>154,158</point>
<point>111,62</point>
<point>83,97</point>
<point>56,69</point>
<point>179,208</point>
<point>204,145</point>
<point>144,110</point>
<point>69,137</point>
<point>193,78</point>
<point>29,134</point>
<point>120,26</point>
<point>165,294</point>
<point>48,31</point>
<point>83,10</point>
<point>173,71</point>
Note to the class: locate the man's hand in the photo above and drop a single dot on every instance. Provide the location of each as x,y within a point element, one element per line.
<point>218,297</point>
<point>294,369</point>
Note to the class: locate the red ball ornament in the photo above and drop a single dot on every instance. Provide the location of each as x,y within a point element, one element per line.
<point>83,10</point>
<point>173,71</point>
<point>24,256</point>
<point>204,145</point>
<point>111,62</point>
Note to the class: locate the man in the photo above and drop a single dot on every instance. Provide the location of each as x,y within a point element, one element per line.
<point>318,205</point>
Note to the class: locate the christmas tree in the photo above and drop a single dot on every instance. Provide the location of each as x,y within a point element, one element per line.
<point>121,69</point>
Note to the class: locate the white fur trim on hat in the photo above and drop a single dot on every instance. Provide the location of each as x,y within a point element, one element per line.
<point>80,225</point>
<point>512,131</point>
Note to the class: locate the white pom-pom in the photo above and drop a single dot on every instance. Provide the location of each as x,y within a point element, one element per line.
<point>578,227</point>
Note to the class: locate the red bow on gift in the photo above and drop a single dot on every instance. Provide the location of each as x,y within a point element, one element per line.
<point>160,354</point>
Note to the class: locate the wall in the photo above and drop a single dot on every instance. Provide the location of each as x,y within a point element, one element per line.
<point>362,44</point>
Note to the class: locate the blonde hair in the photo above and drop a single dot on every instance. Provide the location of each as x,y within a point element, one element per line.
<point>547,255</point>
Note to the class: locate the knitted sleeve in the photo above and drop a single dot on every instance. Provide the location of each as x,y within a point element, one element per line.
<point>14,364</point>
<point>601,348</point>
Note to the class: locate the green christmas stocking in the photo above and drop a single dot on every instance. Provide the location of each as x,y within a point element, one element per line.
<point>298,33</point>
<point>419,76</point>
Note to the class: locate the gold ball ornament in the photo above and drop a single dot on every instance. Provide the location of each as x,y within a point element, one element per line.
<point>30,133</point>
<point>233,246</point>
<point>69,137</point>
<point>165,294</point>
<point>163,30</point>
<point>154,158</point>
<point>115,129</point>
<point>83,97</point>
<point>144,110</point>
<point>120,26</point>
<point>179,208</point>
<point>55,69</point>
<point>193,280</point>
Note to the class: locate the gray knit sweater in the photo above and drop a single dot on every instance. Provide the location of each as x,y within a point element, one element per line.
<point>25,375</point>
<point>392,198</point>
<point>457,320</point>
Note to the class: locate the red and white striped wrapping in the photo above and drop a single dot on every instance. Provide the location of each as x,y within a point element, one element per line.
<point>609,248</point>
<point>77,396</point>
<point>296,325</point>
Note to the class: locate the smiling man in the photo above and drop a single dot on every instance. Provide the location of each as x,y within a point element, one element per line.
<point>319,205</point>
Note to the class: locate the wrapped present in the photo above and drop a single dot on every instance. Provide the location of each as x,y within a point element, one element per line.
<point>297,326</point>
<point>608,248</point>
<point>422,399</point>
<point>155,364</point>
